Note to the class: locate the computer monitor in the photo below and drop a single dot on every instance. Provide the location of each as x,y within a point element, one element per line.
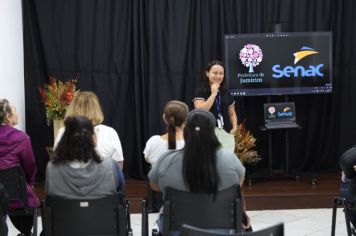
<point>279,63</point>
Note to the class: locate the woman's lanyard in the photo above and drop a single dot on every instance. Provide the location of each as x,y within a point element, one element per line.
<point>219,119</point>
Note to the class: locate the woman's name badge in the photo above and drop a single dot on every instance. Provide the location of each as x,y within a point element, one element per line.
<point>221,119</point>
<point>219,123</point>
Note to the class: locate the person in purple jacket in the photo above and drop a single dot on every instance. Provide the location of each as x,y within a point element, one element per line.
<point>16,150</point>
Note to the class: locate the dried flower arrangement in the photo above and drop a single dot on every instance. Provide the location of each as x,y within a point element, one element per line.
<point>244,144</point>
<point>57,95</point>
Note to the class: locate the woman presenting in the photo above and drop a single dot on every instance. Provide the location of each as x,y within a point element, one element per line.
<point>213,96</point>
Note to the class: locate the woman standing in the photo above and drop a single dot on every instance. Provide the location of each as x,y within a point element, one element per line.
<point>16,150</point>
<point>213,96</point>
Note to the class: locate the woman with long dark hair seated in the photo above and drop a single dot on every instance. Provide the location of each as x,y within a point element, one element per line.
<point>201,166</point>
<point>76,171</point>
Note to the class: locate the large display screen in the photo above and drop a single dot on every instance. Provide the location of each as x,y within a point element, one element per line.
<point>279,63</point>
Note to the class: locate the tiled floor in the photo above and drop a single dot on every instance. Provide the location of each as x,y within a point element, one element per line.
<point>311,222</point>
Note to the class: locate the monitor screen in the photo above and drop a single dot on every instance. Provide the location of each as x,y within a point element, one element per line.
<point>279,63</point>
<point>277,112</point>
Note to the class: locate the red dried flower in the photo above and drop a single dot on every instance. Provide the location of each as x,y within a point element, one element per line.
<point>57,95</point>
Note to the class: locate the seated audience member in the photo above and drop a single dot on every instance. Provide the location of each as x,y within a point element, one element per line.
<point>76,171</point>
<point>16,150</point>
<point>348,184</point>
<point>174,116</point>
<point>201,166</point>
<point>108,142</point>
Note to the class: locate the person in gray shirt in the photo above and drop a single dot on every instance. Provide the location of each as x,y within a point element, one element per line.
<point>76,171</point>
<point>201,166</point>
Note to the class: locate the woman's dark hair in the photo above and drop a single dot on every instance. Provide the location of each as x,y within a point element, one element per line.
<point>347,162</point>
<point>77,141</point>
<point>175,114</point>
<point>199,158</point>
<point>205,83</point>
<point>5,109</point>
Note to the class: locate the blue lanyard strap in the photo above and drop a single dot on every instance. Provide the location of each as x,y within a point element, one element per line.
<point>218,103</point>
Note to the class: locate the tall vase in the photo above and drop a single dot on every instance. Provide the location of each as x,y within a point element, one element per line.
<point>57,124</point>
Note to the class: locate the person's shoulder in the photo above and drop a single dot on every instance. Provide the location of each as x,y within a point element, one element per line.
<point>228,159</point>
<point>104,129</point>
<point>225,153</point>
<point>172,154</point>
<point>108,162</point>
<point>16,135</point>
<point>154,139</point>
<point>101,127</point>
<point>169,157</point>
<point>200,94</point>
<point>153,144</point>
<point>226,95</point>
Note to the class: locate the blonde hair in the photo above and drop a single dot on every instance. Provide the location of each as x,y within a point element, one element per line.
<point>86,104</point>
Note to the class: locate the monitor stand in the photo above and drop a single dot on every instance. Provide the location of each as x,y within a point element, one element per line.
<point>287,172</point>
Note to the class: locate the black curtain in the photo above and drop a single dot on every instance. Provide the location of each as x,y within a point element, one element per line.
<point>138,54</point>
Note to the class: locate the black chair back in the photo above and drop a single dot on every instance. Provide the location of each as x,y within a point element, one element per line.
<point>275,230</point>
<point>202,210</point>
<point>104,216</point>
<point>14,182</point>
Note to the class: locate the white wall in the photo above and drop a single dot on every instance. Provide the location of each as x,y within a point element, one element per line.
<point>11,56</point>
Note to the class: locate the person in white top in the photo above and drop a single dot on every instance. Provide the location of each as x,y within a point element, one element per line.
<point>174,116</point>
<point>108,141</point>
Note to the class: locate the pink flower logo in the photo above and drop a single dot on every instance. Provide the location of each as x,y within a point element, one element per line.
<point>251,56</point>
<point>271,110</point>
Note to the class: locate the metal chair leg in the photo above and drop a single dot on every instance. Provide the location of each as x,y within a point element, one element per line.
<point>347,218</point>
<point>333,222</point>
<point>35,221</point>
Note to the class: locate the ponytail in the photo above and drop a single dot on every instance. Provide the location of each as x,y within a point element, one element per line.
<point>171,127</point>
<point>175,114</point>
